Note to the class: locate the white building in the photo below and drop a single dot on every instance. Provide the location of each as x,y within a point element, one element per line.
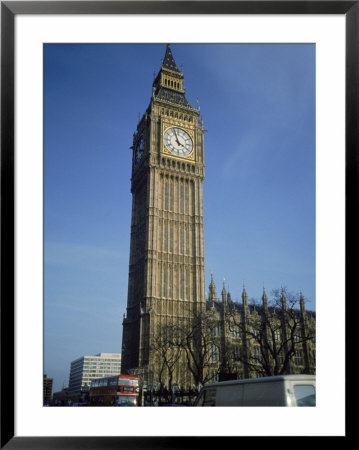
<point>86,368</point>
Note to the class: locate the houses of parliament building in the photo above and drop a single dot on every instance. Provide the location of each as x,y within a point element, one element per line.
<point>171,331</point>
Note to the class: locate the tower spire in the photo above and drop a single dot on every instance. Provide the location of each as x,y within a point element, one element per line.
<point>302,303</point>
<point>244,296</point>
<point>224,294</point>
<point>169,62</point>
<point>264,295</point>
<point>265,301</point>
<point>283,300</point>
<point>168,86</point>
<point>212,291</point>
<point>224,291</point>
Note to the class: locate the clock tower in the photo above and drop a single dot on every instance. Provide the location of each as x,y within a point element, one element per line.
<point>166,268</point>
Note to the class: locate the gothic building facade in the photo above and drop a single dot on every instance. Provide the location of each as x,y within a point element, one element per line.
<point>167,309</point>
<point>254,339</point>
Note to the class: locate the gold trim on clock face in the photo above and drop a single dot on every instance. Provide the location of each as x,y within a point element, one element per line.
<point>178,141</point>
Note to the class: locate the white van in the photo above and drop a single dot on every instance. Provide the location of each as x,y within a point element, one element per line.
<point>281,390</point>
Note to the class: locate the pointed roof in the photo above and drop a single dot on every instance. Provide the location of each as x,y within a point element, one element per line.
<point>244,293</point>
<point>283,299</point>
<point>168,61</point>
<point>212,286</point>
<point>224,286</point>
<point>172,94</point>
<point>264,295</point>
<point>224,293</point>
<point>212,291</point>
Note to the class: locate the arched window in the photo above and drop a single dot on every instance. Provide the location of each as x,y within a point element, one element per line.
<point>170,246</point>
<point>181,239</point>
<point>165,194</point>
<point>277,335</point>
<point>186,240</point>
<point>165,281</point>
<point>165,237</point>
<point>236,352</point>
<point>171,198</point>
<point>214,354</point>
<point>181,282</point>
<point>187,283</point>
<point>181,198</point>
<point>235,331</point>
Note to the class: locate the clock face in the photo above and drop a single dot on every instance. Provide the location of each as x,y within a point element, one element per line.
<point>178,141</point>
<point>140,146</point>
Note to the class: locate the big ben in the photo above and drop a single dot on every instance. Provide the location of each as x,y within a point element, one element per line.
<point>166,266</point>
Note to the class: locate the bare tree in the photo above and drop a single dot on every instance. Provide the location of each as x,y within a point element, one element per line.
<point>272,334</point>
<point>257,338</point>
<point>168,352</point>
<point>198,340</point>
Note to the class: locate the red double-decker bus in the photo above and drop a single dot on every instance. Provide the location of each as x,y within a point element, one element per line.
<point>118,390</point>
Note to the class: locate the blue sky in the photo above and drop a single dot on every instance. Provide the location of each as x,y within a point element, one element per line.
<point>258,107</point>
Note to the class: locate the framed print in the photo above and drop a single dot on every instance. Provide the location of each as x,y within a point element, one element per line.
<point>66,66</point>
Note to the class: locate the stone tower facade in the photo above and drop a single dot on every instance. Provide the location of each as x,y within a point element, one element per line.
<point>166,267</point>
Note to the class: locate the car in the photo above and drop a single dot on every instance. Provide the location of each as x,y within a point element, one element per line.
<point>281,390</point>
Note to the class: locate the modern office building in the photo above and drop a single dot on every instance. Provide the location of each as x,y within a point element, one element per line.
<point>86,368</point>
<point>47,388</point>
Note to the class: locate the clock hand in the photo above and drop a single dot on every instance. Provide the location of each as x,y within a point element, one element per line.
<point>178,142</point>
<point>177,139</point>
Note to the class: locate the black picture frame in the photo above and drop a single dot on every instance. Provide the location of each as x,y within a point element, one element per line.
<point>9,9</point>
